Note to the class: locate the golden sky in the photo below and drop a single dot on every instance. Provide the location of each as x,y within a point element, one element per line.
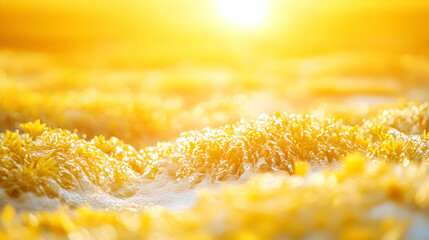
<point>216,29</point>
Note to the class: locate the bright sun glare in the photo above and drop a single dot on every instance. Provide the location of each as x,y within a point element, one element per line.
<point>244,13</point>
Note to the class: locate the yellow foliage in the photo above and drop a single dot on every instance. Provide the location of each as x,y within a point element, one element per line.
<point>299,175</point>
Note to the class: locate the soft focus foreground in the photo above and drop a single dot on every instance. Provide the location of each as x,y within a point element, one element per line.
<point>214,119</point>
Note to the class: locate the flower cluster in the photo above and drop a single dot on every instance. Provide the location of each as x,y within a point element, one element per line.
<point>46,159</point>
<point>358,201</point>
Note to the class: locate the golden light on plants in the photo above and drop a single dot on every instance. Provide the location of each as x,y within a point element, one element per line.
<point>214,119</point>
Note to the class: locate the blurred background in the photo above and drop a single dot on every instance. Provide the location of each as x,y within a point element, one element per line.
<point>215,31</point>
<point>146,70</point>
<point>155,33</point>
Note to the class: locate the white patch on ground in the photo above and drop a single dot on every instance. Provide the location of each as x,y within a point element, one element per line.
<point>162,191</point>
<point>418,227</point>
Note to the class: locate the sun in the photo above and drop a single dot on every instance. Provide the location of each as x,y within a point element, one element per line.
<point>244,13</point>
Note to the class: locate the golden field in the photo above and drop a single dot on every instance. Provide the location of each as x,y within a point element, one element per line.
<point>194,120</point>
